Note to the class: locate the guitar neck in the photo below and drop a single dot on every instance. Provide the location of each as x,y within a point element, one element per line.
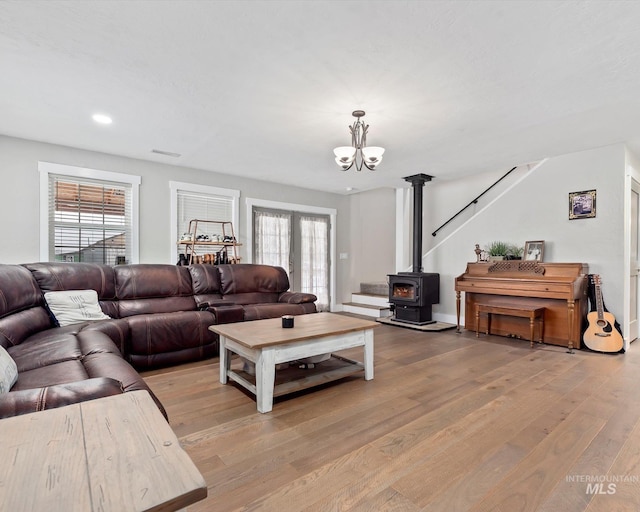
<point>599,302</point>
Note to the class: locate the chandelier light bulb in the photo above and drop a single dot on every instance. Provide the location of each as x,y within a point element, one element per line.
<point>345,153</point>
<point>372,154</point>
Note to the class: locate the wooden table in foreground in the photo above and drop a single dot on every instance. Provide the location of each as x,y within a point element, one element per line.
<point>266,343</point>
<point>111,454</point>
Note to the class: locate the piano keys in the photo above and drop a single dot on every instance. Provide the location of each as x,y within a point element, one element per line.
<point>561,288</point>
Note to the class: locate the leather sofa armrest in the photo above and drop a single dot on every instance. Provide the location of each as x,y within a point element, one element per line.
<point>117,329</point>
<point>206,306</point>
<point>25,401</point>
<point>227,314</point>
<point>297,297</point>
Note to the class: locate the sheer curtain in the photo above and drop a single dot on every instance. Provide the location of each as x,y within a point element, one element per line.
<point>272,238</point>
<point>314,272</point>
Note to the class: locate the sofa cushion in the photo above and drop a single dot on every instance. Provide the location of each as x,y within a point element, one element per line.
<point>8,371</point>
<point>205,280</point>
<point>74,306</point>
<point>169,333</point>
<point>58,373</point>
<point>246,283</point>
<point>148,288</point>
<point>45,349</point>
<point>26,401</point>
<point>16,328</point>
<point>135,307</point>
<point>145,281</point>
<point>18,290</point>
<point>59,345</point>
<point>59,276</point>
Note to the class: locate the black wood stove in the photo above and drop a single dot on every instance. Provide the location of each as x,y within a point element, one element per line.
<point>413,293</point>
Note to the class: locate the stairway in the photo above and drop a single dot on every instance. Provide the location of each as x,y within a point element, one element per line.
<point>372,300</point>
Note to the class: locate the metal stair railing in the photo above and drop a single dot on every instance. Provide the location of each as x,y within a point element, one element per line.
<point>474,201</point>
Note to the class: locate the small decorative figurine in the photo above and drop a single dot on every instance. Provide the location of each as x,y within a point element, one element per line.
<point>478,252</point>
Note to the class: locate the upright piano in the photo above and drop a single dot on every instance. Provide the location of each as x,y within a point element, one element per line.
<point>561,288</point>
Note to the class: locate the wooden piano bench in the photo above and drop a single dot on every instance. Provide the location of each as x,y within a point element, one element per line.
<point>533,313</point>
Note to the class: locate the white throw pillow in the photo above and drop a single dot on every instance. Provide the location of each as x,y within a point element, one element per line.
<point>74,306</point>
<point>8,371</point>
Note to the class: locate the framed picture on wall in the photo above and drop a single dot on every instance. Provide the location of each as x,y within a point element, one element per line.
<point>582,205</point>
<point>534,250</point>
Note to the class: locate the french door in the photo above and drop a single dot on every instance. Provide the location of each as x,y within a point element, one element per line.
<point>297,242</point>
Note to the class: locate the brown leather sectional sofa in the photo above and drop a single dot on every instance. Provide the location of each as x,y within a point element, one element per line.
<point>160,316</point>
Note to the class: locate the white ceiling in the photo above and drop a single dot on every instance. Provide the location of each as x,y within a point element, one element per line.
<point>265,89</point>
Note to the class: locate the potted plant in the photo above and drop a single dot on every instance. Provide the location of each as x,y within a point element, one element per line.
<point>515,252</point>
<point>497,250</point>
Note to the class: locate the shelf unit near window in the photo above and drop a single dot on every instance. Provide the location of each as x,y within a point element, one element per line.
<point>199,251</point>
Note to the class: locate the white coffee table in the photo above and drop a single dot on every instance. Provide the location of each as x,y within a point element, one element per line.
<point>266,343</point>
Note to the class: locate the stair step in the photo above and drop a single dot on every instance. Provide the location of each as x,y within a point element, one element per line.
<point>380,288</point>
<point>366,309</point>
<point>371,299</point>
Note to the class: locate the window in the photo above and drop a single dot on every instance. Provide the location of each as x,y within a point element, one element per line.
<point>88,215</point>
<point>190,201</point>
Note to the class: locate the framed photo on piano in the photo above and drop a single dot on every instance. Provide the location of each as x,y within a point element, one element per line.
<point>533,250</point>
<point>582,205</point>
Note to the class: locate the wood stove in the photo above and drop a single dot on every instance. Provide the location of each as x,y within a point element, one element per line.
<point>413,293</point>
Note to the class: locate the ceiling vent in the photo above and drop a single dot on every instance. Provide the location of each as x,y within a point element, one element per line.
<point>166,153</point>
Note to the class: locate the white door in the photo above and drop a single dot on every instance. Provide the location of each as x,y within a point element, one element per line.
<point>634,277</point>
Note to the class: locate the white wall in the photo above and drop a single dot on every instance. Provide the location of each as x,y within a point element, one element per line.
<point>372,228</point>
<point>537,209</point>
<point>19,207</point>
<point>443,198</point>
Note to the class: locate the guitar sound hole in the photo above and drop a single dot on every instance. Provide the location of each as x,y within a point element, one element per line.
<point>606,326</point>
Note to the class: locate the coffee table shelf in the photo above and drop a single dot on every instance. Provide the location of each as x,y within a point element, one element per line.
<point>292,379</point>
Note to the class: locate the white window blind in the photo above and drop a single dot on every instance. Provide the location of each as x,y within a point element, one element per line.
<point>202,206</point>
<point>192,205</point>
<point>90,220</point>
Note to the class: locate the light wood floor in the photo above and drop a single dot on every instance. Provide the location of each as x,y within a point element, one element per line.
<point>450,423</point>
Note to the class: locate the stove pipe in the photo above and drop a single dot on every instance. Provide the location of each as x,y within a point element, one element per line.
<point>417,182</point>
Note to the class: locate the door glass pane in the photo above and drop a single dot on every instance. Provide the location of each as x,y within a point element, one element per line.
<point>314,265</point>
<point>272,238</point>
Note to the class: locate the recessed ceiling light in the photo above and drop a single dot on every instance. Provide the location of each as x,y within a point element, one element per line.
<point>102,119</point>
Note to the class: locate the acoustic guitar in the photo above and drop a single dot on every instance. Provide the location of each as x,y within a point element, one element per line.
<point>601,335</point>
